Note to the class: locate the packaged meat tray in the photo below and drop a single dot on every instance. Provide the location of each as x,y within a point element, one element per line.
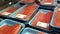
<point>11,9</point>
<point>55,22</point>
<point>10,27</point>
<point>42,20</point>
<point>26,13</point>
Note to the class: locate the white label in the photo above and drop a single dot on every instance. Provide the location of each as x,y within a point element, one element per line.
<point>45,25</point>
<point>47,3</point>
<point>20,16</point>
<point>5,13</point>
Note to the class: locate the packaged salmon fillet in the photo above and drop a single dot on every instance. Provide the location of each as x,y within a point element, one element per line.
<point>49,2</point>
<point>27,12</point>
<point>13,29</point>
<point>42,19</point>
<point>55,22</point>
<point>10,10</point>
<point>10,28</point>
<point>57,19</point>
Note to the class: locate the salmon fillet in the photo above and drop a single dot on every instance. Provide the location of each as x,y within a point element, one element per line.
<point>57,19</point>
<point>14,29</point>
<point>3,29</point>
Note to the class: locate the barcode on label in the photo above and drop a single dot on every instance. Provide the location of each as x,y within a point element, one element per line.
<point>5,13</point>
<point>42,24</point>
<point>20,16</point>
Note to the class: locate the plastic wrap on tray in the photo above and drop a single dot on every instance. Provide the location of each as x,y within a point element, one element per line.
<point>42,19</point>
<point>10,27</point>
<point>56,18</point>
<point>11,9</point>
<point>27,12</point>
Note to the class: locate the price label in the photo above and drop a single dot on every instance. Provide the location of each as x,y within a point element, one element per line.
<point>5,13</point>
<point>20,16</point>
<point>42,24</point>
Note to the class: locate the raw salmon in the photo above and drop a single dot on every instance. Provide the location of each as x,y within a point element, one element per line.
<point>26,12</point>
<point>10,29</point>
<point>57,19</point>
<point>3,29</point>
<point>43,20</point>
<point>14,29</point>
<point>12,9</point>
